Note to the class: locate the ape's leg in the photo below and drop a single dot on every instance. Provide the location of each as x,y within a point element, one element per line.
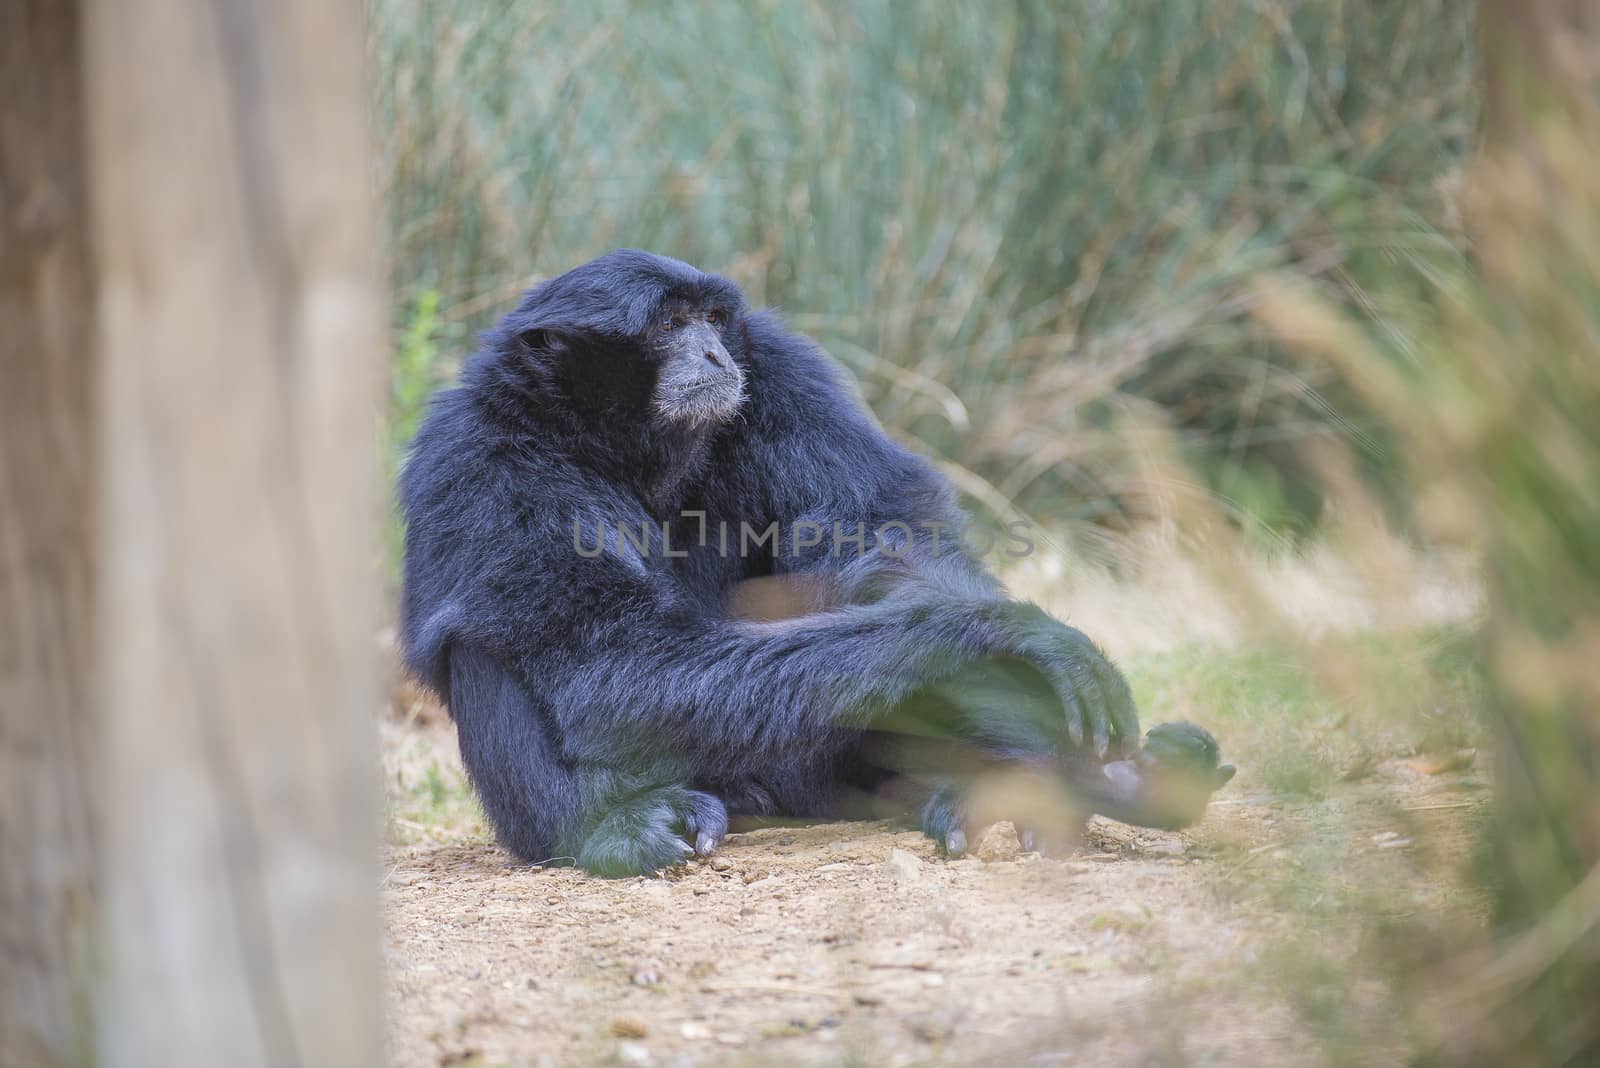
<point>531,797</point>
<point>609,820</point>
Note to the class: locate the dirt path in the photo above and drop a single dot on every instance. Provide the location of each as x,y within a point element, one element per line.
<point>807,945</point>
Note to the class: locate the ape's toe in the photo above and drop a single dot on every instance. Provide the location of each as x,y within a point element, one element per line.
<point>705,821</point>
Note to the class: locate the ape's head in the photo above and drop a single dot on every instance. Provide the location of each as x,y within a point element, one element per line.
<point>633,337</point>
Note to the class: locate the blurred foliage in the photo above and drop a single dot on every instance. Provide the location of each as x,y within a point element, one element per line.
<point>1013,222</point>
<point>1498,401</point>
<point>412,379</point>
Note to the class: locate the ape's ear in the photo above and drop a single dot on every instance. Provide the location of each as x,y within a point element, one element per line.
<point>1224,774</point>
<point>540,339</point>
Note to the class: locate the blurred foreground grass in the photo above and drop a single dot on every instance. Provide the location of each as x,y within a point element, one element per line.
<point>1497,399</point>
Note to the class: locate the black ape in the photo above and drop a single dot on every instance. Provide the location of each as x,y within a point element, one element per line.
<point>629,454</point>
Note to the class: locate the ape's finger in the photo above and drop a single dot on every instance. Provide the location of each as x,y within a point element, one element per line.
<point>705,844</point>
<point>1102,732</point>
<point>955,843</point>
<point>1075,719</point>
<point>1091,700</point>
<point>1124,714</point>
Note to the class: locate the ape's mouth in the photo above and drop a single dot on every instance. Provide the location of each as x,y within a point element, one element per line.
<point>706,400</point>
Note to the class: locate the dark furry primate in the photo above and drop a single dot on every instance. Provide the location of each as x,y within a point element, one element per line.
<point>663,565</point>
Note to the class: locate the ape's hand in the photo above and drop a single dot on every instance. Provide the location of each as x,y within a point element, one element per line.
<point>1094,696</point>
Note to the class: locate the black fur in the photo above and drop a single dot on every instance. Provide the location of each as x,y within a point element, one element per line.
<point>611,702</point>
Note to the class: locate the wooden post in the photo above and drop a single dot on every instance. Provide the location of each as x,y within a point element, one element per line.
<point>241,330</point>
<point>46,615</point>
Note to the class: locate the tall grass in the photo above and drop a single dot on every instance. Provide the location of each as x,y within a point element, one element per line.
<point>1012,221</point>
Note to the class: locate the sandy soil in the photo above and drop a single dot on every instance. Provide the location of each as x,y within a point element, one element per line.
<point>854,944</point>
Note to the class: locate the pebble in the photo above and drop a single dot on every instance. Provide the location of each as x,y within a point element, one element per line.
<point>904,868</point>
<point>629,1027</point>
<point>633,1053</point>
<point>999,843</point>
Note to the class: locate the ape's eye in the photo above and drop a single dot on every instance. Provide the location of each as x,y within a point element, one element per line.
<point>716,317</point>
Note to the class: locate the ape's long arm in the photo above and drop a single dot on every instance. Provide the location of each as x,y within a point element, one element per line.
<point>646,677</point>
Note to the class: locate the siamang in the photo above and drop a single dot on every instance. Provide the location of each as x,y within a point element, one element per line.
<point>663,566</point>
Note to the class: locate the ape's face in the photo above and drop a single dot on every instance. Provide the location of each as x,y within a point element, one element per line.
<point>635,337</point>
<point>697,384</point>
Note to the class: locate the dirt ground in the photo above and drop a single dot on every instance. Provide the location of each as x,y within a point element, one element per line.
<point>853,943</point>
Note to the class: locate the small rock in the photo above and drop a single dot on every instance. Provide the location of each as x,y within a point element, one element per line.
<point>1172,847</point>
<point>646,973</point>
<point>629,1027</point>
<point>999,842</point>
<point>729,1038</point>
<point>932,1026</point>
<point>721,863</point>
<point>694,1031</point>
<point>904,868</point>
<point>634,1054</point>
<point>754,875</point>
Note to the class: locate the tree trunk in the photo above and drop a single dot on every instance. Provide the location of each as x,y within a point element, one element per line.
<point>241,329</point>
<point>47,454</point>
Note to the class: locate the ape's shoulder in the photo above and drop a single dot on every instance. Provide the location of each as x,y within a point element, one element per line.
<point>795,387</point>
<point>809,442</point>
<point>472,475</point>
<point>450,443</point>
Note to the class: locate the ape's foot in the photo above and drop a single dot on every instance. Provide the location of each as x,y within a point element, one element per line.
<point>948,819</point>
<point>656,828</point>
